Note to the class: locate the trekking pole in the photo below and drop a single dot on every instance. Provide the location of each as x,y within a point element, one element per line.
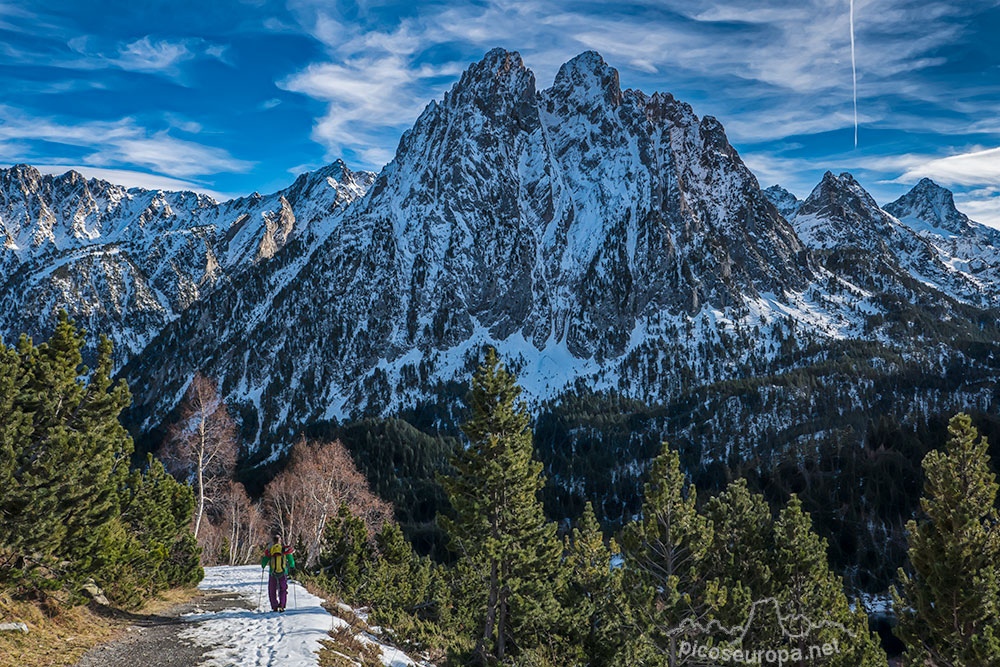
<point>295,597</point>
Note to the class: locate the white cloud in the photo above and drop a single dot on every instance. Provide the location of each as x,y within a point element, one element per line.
<point>376,155</point>
<point>788,65</point>
<point>302,168</point>
<point>182,123</point>
<point>146,54</point>
<point>364,95</point>
<point>121,142</point>
<point>984,208</point>
<point>979,167</point>
<point>169,155</point>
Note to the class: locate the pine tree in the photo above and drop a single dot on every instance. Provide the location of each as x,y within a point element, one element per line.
<point>347,555</point>
<point>665,560</point>
<point>70,508</point>
<point>152,545</point>
<point>158,510</point>
<point>741,556</point>
<point>811,599</point>
<point>594,593</point>
<point>406,591</point>
<point>398,577</point>
<point>69,458</point>
<point>499,531</point>
<point>15,429</point>
<point>949,605</point>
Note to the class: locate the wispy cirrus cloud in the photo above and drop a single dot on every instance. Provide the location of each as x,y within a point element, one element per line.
<point>983,207</point>
<point>366,95</point>
<point>113,143</point>
<point>146,54</point>
<point>320,79</point>
<point>974,174</point>
<point>768,71</point>
<point>977,167</point>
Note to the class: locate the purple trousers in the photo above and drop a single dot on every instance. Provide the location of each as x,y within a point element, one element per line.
<point>277,590</point>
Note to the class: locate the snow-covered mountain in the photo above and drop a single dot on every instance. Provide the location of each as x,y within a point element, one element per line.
<point>588,232</point>
<point>127,261</point>
<point>566,226</point>
<point>600,238</point>
<point>929,209</point>
<point>910,242</point>
<point>965,245</point>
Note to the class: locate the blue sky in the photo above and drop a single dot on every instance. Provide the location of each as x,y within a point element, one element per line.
<point>232,97</point>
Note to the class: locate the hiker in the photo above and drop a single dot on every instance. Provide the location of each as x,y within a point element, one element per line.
<point>279,559</point>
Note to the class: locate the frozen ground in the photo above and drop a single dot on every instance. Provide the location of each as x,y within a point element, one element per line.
<point>231,625</point>
<point>257,637</point>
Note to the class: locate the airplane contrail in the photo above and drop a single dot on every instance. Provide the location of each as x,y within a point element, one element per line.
<point>854,76</point>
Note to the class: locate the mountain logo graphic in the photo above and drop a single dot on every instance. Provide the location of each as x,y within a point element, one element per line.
<point>793,626</point>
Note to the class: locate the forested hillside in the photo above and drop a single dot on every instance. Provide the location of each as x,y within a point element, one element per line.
<point>74,508</point>
<point>722,566</point>
<point>486,546</point>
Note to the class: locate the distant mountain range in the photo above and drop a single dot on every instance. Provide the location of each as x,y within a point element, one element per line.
<point>127,261</point>
<point>598,237</point>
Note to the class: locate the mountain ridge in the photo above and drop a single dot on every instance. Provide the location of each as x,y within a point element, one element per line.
<point>127,260</point>
<point>589,233</point>
<point>592,234</point>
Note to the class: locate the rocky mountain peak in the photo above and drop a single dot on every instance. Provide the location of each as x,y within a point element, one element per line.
<point>587,79</point>
<point>929,207</point>
<point>786,203</point>
<point>336,171</point>
<point>334,181</point>
<point>24,176</point>
<point>848,181</point>
<point>840,196</point>
<point>840,215</point>
<point>71,178</point>
<point>499,75</point>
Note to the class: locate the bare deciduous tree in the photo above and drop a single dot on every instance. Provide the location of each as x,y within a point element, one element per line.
<point>243,522</point>
<point>203,443</point>
<point>318,478</point>
<point>211,541</point>
<point>283,499</point>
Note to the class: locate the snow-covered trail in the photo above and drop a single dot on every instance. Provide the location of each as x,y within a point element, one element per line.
<point>240,637</point>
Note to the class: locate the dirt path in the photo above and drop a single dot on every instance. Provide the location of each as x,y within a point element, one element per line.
<point>230,624</point>
<point>152,640</point>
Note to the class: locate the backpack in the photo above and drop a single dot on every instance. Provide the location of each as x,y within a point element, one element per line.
<point>277,561</point>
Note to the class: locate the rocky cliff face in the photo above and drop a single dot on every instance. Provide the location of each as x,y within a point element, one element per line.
<point>570,223</point>
<point>127,261</point>
<point>904,253</point>
<point>596,236</point>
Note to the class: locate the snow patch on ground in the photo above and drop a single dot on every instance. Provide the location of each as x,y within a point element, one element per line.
<point>258,637</point>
